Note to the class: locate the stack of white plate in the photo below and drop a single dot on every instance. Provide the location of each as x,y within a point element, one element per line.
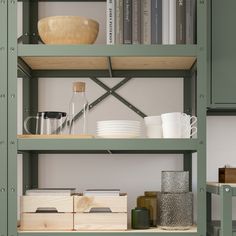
<point>118,129</point>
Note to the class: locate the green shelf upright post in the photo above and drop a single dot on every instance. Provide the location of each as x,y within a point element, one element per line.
<point>12,117</point>
<point>30,94</point>
<point>201,97</point>
<point>3,119</point>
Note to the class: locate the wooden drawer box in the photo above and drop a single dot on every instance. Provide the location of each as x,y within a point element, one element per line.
<point>47,221</point>
<point>227,175</point>
<point>100,221</point>
<point>100,212</point>
<point>42,213</point>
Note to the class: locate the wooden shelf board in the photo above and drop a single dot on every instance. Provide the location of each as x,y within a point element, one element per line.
<point>193,229</point>
<point>56,136</point>
<point>101,63</point>
<point>216,184</point>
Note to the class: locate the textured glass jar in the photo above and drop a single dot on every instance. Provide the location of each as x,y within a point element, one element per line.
<point>78,110</point>
<point>175,181</point>
<point>176,211</point>
<point>150,201</point>
<point>140,218</point>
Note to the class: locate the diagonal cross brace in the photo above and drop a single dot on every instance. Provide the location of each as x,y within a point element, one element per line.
<point>111,91</point>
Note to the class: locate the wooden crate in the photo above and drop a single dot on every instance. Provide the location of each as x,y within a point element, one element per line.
<point>36,213</point>
<point>227,175</point>
<point>61,204</point>
<point>114,203</point>
<point>47,221</point>
<point>86,219</point>
<point>100,221</point>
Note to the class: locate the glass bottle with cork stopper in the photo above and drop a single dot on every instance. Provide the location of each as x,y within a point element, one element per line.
<point>78,110</point>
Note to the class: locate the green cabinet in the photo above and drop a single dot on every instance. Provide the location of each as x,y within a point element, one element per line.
<point>222,85</point>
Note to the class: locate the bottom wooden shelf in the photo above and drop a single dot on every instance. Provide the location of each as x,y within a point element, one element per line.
<point>192,231</point>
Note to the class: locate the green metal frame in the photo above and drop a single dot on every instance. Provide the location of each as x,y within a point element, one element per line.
<point>226,192</point>
<point>3,120</point>
<point>30,148</point>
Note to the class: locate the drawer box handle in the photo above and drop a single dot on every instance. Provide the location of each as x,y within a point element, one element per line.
<point>100,210</point>
<point>46,210</point>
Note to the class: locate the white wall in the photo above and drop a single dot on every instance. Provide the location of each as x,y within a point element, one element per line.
<point>133,174</point>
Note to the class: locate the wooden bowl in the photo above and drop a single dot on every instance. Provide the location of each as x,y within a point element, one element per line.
<point>68,30</point>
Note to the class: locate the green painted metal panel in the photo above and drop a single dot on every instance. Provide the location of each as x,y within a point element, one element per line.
<point>3,119</point>
<point>223,52</point>
<point>201,97</point>
<point>183,145</point>
<point>226,210</point>
<point>115,73</point>
<point>129,233</point>
<point>12,117</point>
<point>108,50</point>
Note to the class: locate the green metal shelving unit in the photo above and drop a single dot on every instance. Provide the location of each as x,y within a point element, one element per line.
<point>18,65</point>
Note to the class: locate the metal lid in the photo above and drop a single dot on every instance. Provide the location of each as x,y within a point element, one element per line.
<point>52,114</point>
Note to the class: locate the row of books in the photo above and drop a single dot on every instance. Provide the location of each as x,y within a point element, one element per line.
<point>71,191</point>
<point>151,21</point>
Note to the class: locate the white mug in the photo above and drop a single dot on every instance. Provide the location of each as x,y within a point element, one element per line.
<point>188,131</point>
<point>172,130</point>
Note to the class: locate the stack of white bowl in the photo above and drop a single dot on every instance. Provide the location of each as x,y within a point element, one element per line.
<point>118,129</point>
<point>153,126</point>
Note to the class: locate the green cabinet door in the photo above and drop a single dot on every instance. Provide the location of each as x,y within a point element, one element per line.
<point>223,52</point>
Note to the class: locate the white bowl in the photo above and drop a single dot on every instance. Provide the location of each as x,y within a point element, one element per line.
<point>152,120</point>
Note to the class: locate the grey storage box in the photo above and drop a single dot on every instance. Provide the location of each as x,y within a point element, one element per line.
<point>176,210</point>
<point>175,181</point>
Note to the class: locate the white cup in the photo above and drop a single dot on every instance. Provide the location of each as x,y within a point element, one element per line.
<point>188,131</point>
<point>154,131</point>
<point>187,119</point>
<point>171,117</point>
<point>152,120</point>
<point>172,130</point>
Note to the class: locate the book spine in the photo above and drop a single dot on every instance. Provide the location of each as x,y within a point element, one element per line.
<point>146,22</point>
<point>181,21</point>
<point>190,21</point>
<point>110,21</point>
<point>136,21</point>
<point>119,22</point>
<point>156,21</point>
<point>165,21</point>
<point>172,22</point>
<point>127,22</point>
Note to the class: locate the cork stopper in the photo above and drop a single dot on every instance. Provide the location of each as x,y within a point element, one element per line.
<point>79,87</point>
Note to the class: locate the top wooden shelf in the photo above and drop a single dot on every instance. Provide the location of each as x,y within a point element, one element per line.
<point>95,57</point>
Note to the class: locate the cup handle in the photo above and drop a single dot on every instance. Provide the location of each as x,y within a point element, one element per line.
<point>193,120</point>
<point>193,131</point>
<point>26,123</point>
